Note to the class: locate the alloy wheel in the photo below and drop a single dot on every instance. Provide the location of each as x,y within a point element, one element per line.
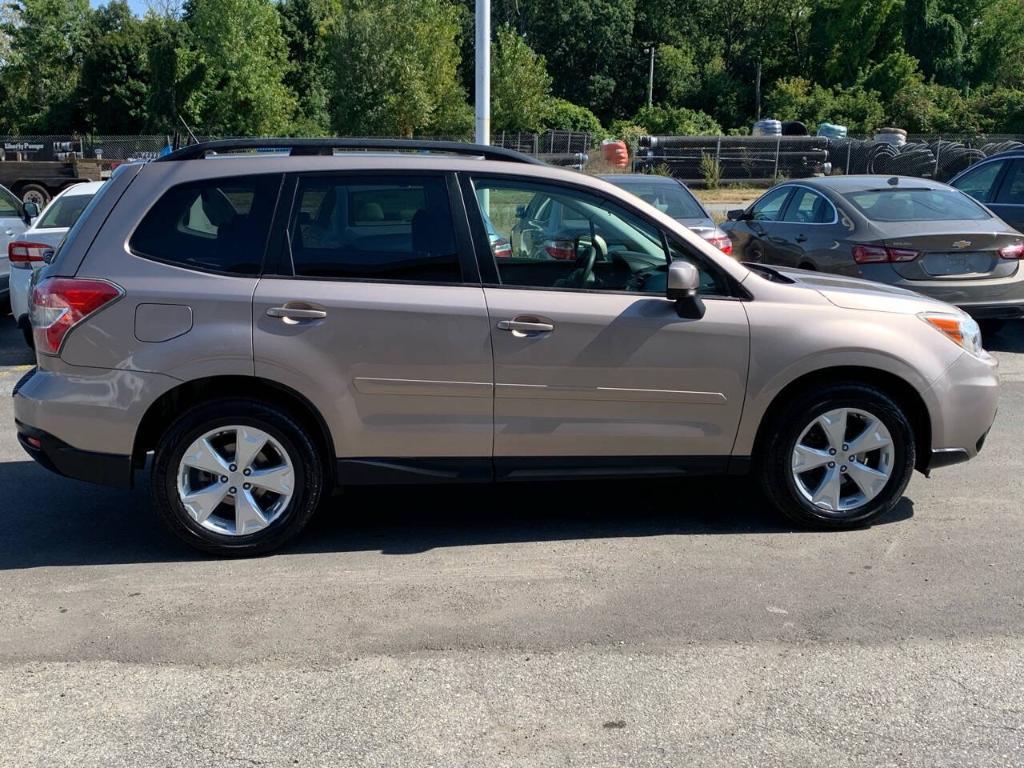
<point>843,460</point>
<point>235,480</point>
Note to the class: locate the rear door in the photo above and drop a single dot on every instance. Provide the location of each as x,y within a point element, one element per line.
<point>374,312</point>
<point>11,225</point>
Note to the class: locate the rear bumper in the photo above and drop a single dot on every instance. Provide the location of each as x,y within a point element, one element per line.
<point>57,456</point>
<point>984,298</point>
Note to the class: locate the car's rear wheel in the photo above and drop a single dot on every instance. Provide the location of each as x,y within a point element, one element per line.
<point>236,477</point>
<point>838,456</point>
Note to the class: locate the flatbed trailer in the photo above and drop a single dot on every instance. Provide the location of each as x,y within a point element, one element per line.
<point>39,180</point>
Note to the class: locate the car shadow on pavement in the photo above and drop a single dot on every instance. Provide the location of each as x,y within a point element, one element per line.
<point>50,521</point>
<point>1009,339</point>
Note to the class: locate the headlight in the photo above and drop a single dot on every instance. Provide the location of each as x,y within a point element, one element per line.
<point>962,330</point>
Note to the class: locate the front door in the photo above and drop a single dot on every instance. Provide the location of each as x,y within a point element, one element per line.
<point>376,315</point>
<point>591,363</point>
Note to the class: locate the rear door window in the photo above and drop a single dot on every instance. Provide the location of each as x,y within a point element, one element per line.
<point>398,228</point>
<point>1012,190</point>
<point>808,207</point>
<point>219,225</point>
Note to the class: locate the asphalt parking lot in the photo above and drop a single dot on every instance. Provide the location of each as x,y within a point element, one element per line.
<point>599,624</point>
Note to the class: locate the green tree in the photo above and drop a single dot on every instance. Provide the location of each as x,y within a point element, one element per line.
<point>396,63</point>
<point>113,89</point>
<point>47,40</point>
<point>676,121</point>
<point>847,35</point>
<point>245,60</point>
<point>936,39</point>
<point>562,115</point>
<point>307,25</point>
<point>176,73</point>
<point>520,84</point>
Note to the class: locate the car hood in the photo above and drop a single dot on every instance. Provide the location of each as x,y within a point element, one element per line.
<point>854,293</point>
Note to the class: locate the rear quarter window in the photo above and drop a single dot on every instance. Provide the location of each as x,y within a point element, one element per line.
<point>217,225</point>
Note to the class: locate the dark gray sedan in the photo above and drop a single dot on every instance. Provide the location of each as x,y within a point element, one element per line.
<point>913,233</point>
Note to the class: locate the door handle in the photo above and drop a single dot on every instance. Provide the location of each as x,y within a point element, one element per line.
<point>296,314</point>
<point>522,327</point>
<point>801,238</point>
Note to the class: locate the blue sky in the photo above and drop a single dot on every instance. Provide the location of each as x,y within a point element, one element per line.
<point>139,6</point>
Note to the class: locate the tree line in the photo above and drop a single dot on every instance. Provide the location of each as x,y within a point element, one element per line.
<point>405,67</point>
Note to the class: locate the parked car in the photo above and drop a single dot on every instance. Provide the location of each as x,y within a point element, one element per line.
<point>15,217</point>
<point>275,325</point>
<point>673,198</point>
<point>998,182</point>
<point>912,233</point>
<point>26,253</point>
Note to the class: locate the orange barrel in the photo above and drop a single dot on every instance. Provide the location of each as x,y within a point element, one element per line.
<point>615,152</point>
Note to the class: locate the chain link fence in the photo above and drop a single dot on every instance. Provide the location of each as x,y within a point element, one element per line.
<point>568,148</point>
<point>759,159</point>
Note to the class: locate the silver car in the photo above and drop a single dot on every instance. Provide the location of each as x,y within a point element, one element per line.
<point>269,325</point>
<point>917,234</point>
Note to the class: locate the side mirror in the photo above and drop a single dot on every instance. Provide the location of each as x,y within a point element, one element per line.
<point>520,211</point>
<point>736,214</point>
<point>31,210</point>
<point>683,288</point>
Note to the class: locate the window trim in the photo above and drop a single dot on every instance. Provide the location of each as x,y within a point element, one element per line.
<point>792,197</point>
<point>489,268</point>
<point>284,268</point>
<point>261,267</point>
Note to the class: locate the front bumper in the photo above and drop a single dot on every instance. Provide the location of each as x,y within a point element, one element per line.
<point>963,404</point>
<point>57,456</point>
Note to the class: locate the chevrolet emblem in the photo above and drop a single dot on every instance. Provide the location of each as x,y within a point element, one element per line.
<point>961,243</point>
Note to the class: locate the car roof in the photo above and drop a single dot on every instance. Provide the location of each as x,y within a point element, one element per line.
<point>82,188</point>
<point>864,182</point>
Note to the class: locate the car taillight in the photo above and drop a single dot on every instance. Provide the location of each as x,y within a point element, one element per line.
<point>61,303</point>
<point>874,254</point>
<point>563,250</point>
<point>721,242</point>
<point>1015,251</point>
<point>23,255</point>
<point>500,247</point>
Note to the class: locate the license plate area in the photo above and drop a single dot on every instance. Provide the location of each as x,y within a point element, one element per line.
<point>958,263</point>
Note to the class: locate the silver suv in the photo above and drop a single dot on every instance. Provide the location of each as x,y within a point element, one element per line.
<point>271,319</point>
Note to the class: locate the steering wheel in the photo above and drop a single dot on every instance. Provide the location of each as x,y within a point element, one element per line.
<point>583,270</point>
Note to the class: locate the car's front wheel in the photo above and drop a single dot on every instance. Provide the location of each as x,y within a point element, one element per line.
<point>838,456</point>
<point>236,477</point>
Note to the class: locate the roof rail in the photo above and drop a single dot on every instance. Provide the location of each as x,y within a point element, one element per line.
<point>327,147</point>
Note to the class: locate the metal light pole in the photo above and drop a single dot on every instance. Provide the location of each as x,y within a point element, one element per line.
<point>483,71</point>
<point>650,76</point>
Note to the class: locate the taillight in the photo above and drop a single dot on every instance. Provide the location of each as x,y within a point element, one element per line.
<point>721,242</point>
<point>563,250</point>
<point>1015,251</point>
<point>500,247</point>
<point>875,254</point>
<point>61,303</point>
<point>23,255</point>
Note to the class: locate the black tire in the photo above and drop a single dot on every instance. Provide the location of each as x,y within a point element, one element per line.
<point>36,193</point>
<point>26,332</point>
<point>784,429</point>
<point>305,459</point>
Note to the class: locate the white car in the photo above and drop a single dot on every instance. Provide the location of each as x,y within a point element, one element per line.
<point>46,233</point>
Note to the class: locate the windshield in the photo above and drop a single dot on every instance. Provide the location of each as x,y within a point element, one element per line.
<point>916,205</point>
<point>64,212</point>
<point>671,199</point>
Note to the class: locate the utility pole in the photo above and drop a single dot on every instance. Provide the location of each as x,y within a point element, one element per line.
<point>483,71</point>
<point>650,75</point>
<point>757,92</point>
